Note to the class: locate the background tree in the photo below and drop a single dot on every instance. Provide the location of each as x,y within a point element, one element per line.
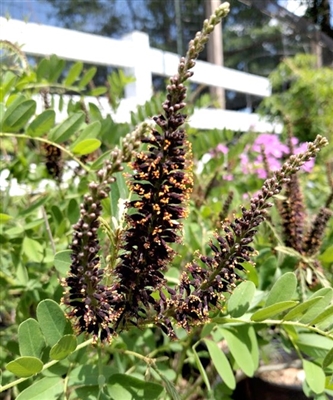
<point>320,12</point>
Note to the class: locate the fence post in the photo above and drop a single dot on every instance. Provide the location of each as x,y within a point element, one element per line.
<point>141,89</point>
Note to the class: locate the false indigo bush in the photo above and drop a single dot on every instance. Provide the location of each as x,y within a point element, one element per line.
<point>161,184</point>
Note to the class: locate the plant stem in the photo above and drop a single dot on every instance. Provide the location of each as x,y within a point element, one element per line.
<point>48,229</point>
<point>226,320</point>
<point>40,139</point>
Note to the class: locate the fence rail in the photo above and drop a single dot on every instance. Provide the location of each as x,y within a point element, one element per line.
<point>137,58</point>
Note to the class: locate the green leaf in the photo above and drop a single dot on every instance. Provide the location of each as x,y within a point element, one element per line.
<point>314,345</point>
<point>314,376</point>
<point>5,218</point>
<point>221,364</point>
<point>16,116</point>
<point>56,67</point>
<point>87,77</point>
<point>33,249</point>
<point>267,271</point>
<point>42,69</point>
<point>201,368</point>
<point>7,82</point>
<point>169,386</point>
<point>57,214</point>
<point>300,309</point>
<point>289,251</point>
<point>328,360</point>
<point>327,256</point>
<point>119,194</point>
<point>73,73</point>
<point>87,146</point>
<point>39,202</point>
<point>240,299</point>
<point>248,335</point>
<point>42,123</point>
<point>313,340</point>
<point>270,311</point>
<point>283,289</point>
<point>326,294</point>
<point>239,351</point>
<point>52,321</point>
<point>97,164</point>
<point>67,128</point>
<point>95,112</point>
<point>93,393</point>
<point>88,375</point>
<point>49,388</point>
<point>2,113</point>
<point>327,313</point>
<point>137,388</point>
<point>30,338</point>
<point>63,348</point>
<point>91,131</point>
<point>73,211</point>
<point>25,366</point>
<point>98,91</point>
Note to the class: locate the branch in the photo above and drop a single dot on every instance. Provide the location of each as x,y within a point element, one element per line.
<point>43,140</point>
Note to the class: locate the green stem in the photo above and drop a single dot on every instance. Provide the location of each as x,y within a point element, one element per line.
<point>40,139</point>
<point>147,360</point>
<point>46,366</point>
<point>226,320</point>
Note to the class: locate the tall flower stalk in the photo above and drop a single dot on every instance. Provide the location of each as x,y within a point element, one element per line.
<point>161,184</point>
<point>95,306</point>
<point>204,286</point>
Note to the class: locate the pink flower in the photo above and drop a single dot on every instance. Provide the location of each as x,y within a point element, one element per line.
<point>222,148</point>
<point>228,177</point>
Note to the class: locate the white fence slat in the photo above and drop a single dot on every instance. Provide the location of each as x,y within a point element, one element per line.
<point>134,54</point>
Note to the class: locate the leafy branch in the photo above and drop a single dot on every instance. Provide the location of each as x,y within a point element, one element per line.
<point>44,140</point>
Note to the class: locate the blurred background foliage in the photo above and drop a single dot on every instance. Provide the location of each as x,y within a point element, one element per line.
<point>257,35</point>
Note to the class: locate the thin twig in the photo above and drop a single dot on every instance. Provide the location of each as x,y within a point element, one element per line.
<point>40,139</point>
<point>48,229</point>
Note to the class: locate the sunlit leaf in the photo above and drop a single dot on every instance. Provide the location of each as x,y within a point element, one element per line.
<point>328,360</point>
<point>49,388</point>
<point>239,351</point>
<point>240,300</point>
<point>42,123</point>
<point>201,369</point>
<point>67,128</point>
<point>87,77</point>
<point>33,249</point>
<point>52,321</point>
<point>73,73</point>
<point>5,218</point>
<point>25,366</point>
<point>314,376</point>
<point>221,363</point>
<point>138,388</point>
<point>30,338</point>
<point>300,309</point>
<point>16,117</point>
<point>271,311</point>
<point>283,289</point>
<point>63,348</point>
<point>87,146</point>
<point>326,294</point>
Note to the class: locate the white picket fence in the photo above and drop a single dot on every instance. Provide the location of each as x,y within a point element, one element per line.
<point>138,59</point>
